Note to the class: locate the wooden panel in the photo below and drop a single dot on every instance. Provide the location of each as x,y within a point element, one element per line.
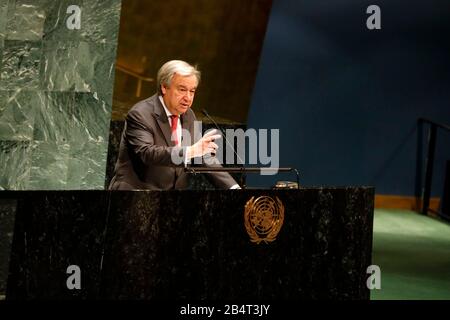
<point>403,202</point>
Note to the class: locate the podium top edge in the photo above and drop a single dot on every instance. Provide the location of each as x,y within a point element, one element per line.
<point>5,193</point>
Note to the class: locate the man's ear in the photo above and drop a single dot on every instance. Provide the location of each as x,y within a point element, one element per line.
<point>163,89</point>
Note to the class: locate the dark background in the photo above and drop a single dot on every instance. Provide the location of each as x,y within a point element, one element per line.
<point>346,99</point>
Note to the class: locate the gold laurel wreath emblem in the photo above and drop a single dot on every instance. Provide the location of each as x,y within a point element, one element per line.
<point>263,218</point>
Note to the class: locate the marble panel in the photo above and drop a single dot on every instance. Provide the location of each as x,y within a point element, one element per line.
<point>26,19</point>
<point>53,119</point>
<point>17,113</point>
<point>3,18</point>
<point>99,21</point>
<point>87,166</point>
<point>49,166</point>
<point>56,22</point>
<point>14,165</point>
<point>79,67</point>
<point>3,100</point>
<point>92,117</point>
<point>20,65</point>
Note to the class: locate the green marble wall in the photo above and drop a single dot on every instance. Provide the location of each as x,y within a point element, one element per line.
<point>55,93</point>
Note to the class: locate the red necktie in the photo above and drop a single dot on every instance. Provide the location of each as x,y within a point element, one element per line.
<point>174,138</point>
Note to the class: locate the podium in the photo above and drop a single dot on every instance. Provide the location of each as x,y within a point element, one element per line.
<point>190,245</point>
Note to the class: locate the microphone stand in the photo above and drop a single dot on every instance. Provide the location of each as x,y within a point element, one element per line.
<point>243,172</point>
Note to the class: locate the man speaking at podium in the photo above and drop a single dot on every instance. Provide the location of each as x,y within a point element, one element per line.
<point>153,133</point>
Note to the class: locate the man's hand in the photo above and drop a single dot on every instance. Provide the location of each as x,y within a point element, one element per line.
<point>204,146</point>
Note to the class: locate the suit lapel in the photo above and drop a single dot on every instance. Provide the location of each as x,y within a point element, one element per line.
<point>163,122</point>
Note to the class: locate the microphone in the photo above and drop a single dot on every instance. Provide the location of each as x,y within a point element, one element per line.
<point>223,133</point>
<point>237,155</point>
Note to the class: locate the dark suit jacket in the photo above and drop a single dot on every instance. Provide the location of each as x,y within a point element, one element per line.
<point>144,160</point>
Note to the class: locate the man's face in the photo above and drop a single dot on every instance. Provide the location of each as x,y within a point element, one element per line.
<point>179,95</point>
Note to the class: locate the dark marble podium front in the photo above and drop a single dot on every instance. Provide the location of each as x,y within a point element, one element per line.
<point>189,245</point>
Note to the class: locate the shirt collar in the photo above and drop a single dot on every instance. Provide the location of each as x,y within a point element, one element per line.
<point>164,106</point>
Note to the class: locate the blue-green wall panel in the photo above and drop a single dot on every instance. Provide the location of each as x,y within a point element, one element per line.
<point>3,101</point>
<point>87,164</point>
<point>98,21</point>
<point>49,165</point>
<point>14,165</point>
<point>21,65</point>
<point>55,93</point>
<point>100,17</point>
<point>53,117</point>
<point>3,15</point>
<point>25,20</point>
<point>79,67</point>
<point>2,44</point>
<point>17,114</point>
<point>91,116</point>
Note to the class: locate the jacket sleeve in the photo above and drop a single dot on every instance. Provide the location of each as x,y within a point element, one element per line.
<point>222,180</point>
<point>140,139</point>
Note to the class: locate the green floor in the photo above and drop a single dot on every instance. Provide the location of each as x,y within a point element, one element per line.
<point>413,253</point>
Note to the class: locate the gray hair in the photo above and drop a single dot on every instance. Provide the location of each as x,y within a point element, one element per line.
<point>167,71</point>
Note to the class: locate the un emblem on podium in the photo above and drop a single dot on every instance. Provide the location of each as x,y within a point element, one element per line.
<point>263,218</point>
